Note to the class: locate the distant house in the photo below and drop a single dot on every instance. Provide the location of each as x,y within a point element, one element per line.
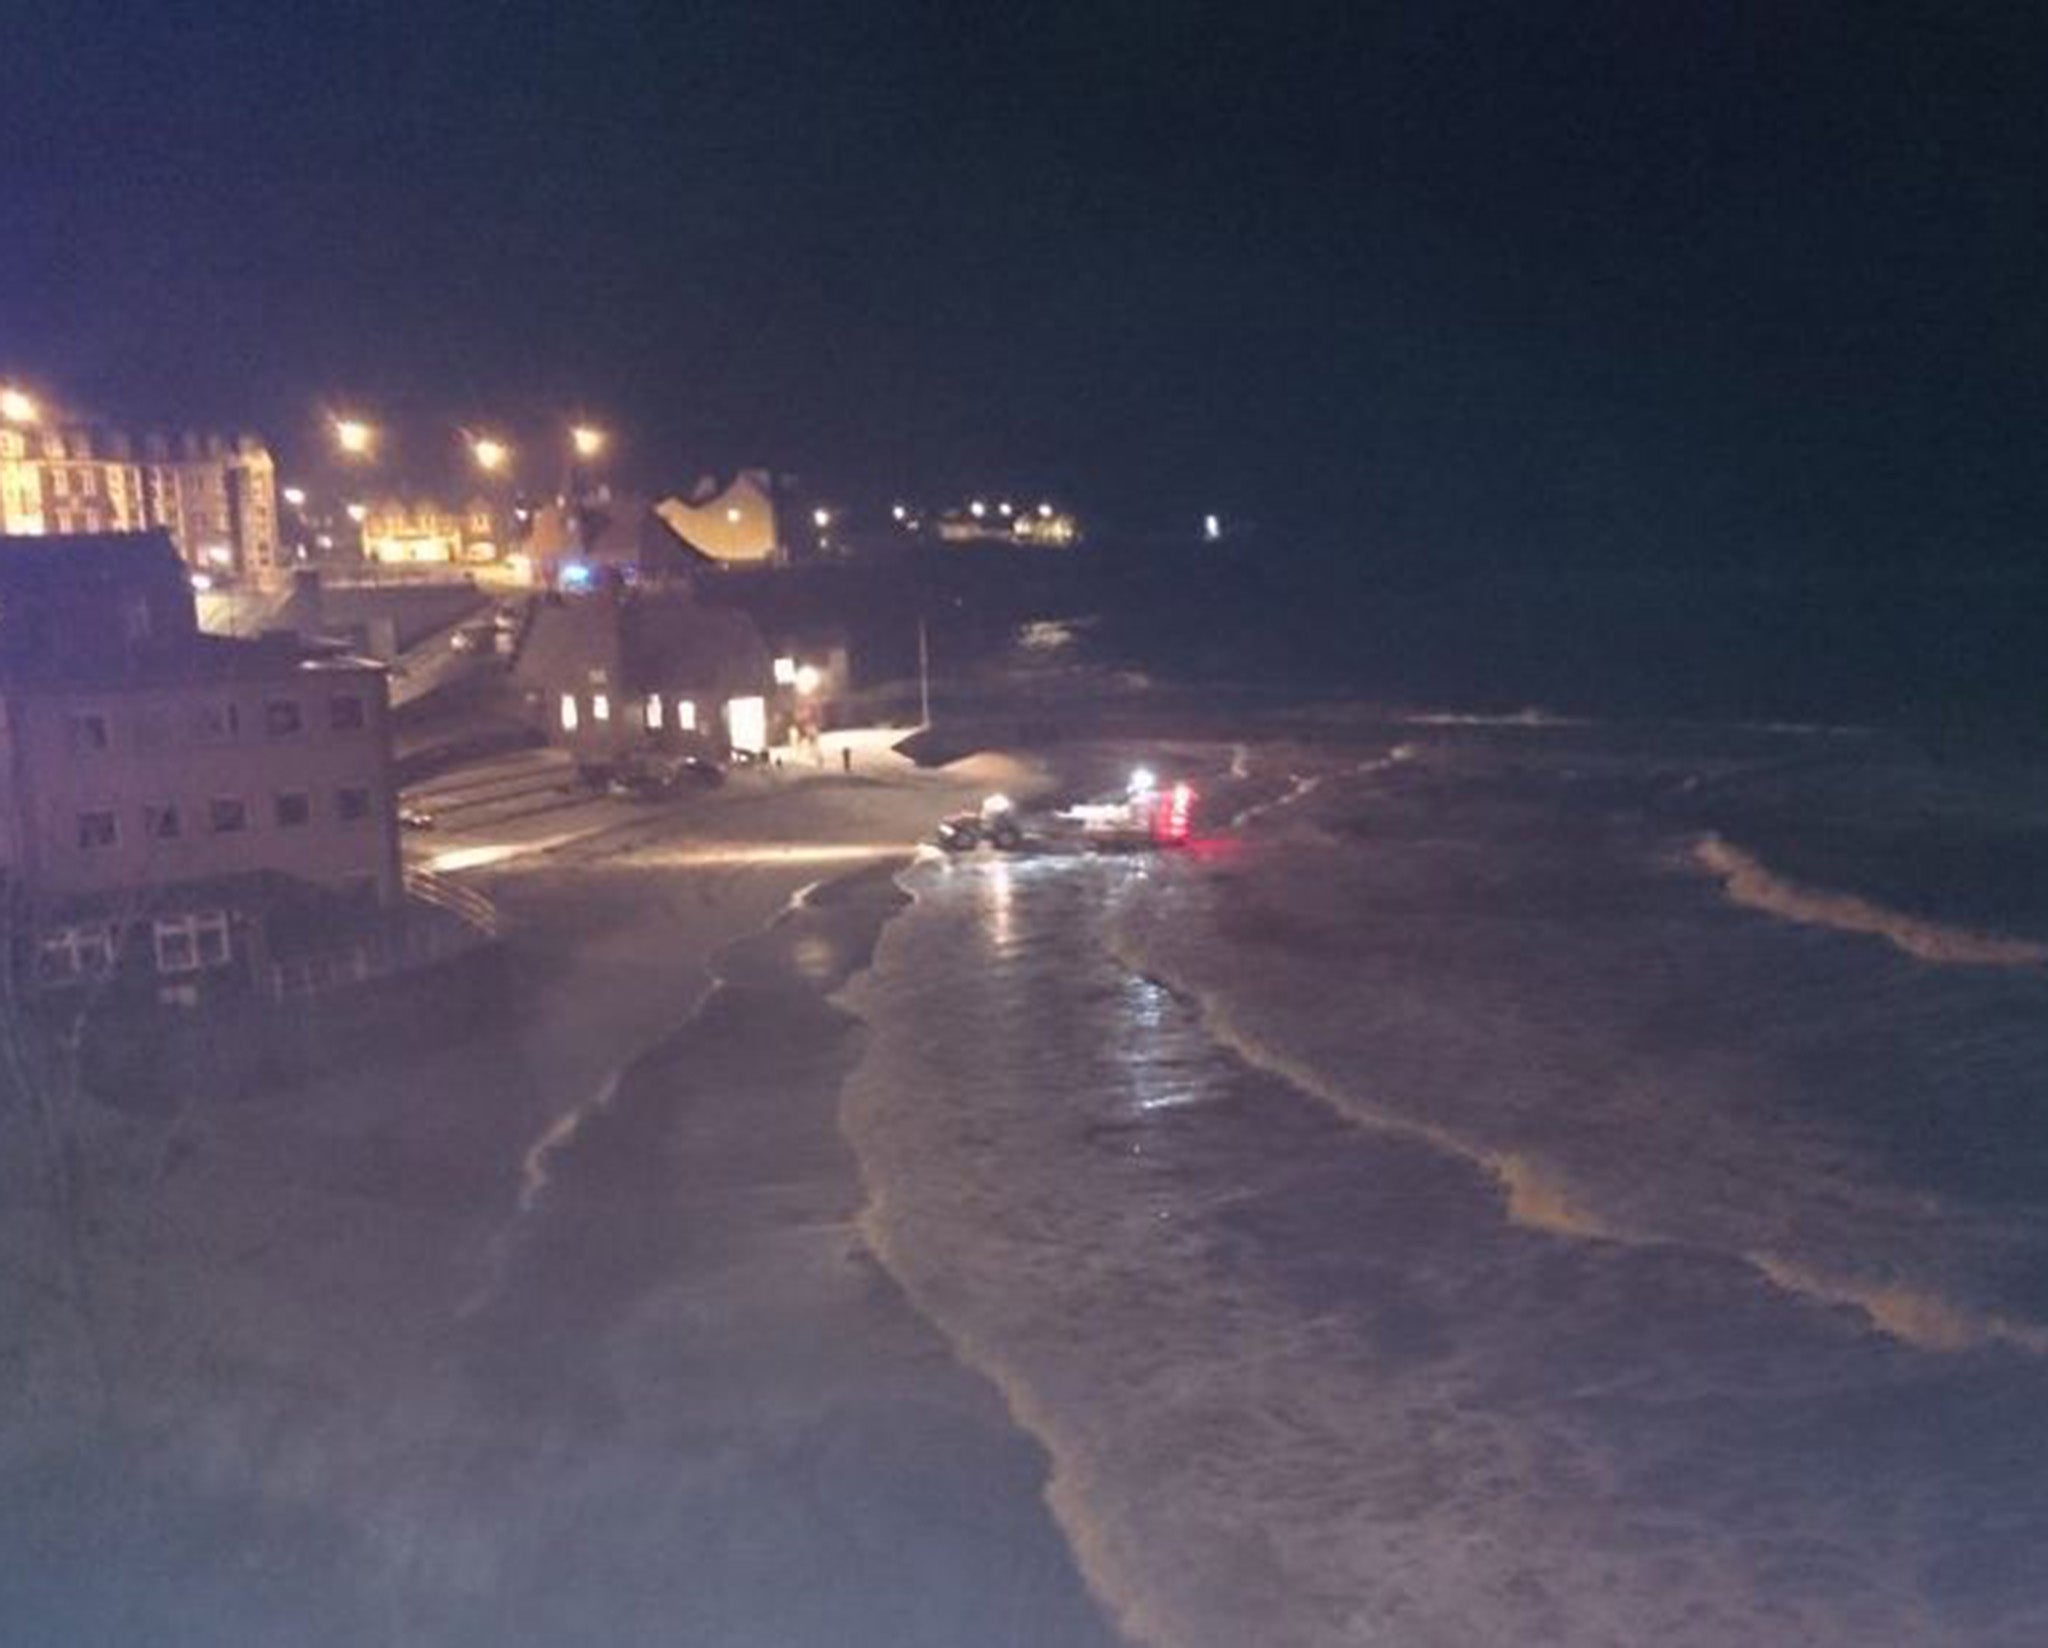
<point>172,803</point>
<point>734,523</point>
<point>607,535</point>
<point>396,531</point>
<point>618,671</point>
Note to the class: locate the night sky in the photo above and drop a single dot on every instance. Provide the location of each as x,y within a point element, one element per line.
<point>1633,282</point>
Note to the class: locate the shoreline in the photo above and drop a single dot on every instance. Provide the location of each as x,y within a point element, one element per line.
<point>305,1397</point>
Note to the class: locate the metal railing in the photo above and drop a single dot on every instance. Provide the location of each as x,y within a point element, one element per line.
<point>458,920</point>
<point>464,903</point>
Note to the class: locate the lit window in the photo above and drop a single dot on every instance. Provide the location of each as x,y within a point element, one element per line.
<point>185,944</point>
<point>294,807</point>
<point>226,814</point>
<point>569,716</point>
<point>345,713</point>
<point>98,829</point>
<point>785,671</point>
<point>654,712</point>
<point>77,952</point>
<point>686,714</point>
<point>746,723</point>
<point>600,707</point>
<point>281,717</point>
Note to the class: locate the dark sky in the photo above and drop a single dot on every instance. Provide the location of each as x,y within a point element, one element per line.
<point>1639,281</point>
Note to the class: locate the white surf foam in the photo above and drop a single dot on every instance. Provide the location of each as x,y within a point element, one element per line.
<point>1752,884</point>
<point>1542,1197</point>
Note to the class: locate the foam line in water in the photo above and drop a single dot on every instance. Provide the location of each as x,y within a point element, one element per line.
<point>1531,1198</point>
<point>1755,886</point>
<point>1910,1315</point>
<point>1067,1492</point>
<point>1537,1199</point>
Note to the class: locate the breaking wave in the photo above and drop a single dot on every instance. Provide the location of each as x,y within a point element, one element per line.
<point>1755,886</point>
<point>1537,1197</point>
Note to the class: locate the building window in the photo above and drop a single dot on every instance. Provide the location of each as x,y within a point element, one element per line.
<point>345,713</point>
<point>161,822</point>
<point>88,732</point>
<point>281,717</point>
<point>600,707</point>
<point>654,712</point>
<point>77,952</point>
<point>352,805</point>
<point>294,807</point>
<point>569,715</point>
<point>98,829</point>
<point>219,721</point>
<point>746,723</point>
<point>185,944</point>
<point>226,814</point>
<point>686,714</point>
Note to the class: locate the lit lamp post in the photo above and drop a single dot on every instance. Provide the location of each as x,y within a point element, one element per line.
<point>354,438</point>
<point>493,459</point>
<point>355,444</point>
<point>586,445</point>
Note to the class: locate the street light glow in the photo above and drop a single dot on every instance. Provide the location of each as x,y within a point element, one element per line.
<point>899,512</point>
<point>1212,527</point>
<point>358,513</point>
<point>977,509</point>
<point>809,678</point>
<point>821,518</point>
<point>587,440</point>
<point>354,437</point>
<point>1045,512</point>
<point>295,496</point>
<point>19,406</point>
<point>491,455</point>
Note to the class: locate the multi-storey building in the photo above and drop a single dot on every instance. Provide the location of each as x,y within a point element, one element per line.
<point>216,498</point>
<point>172,802</point>
<point>397,532</point>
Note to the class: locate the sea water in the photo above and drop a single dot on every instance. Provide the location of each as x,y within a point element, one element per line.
<point>1507,1183</point>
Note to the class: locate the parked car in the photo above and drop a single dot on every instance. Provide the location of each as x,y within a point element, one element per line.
<point>655,777</point>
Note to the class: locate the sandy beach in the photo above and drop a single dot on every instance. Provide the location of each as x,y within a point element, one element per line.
<point>562,1330</point>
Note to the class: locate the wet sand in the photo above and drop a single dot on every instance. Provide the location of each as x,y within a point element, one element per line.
<point>390,1374</point>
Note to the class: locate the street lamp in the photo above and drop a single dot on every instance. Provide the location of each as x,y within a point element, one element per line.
<point>295,496</point>
<point>491,455</point>
<point>588,442</point>
<point>355,437</point>
<point>821,518</point>
<point>19,406</point>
